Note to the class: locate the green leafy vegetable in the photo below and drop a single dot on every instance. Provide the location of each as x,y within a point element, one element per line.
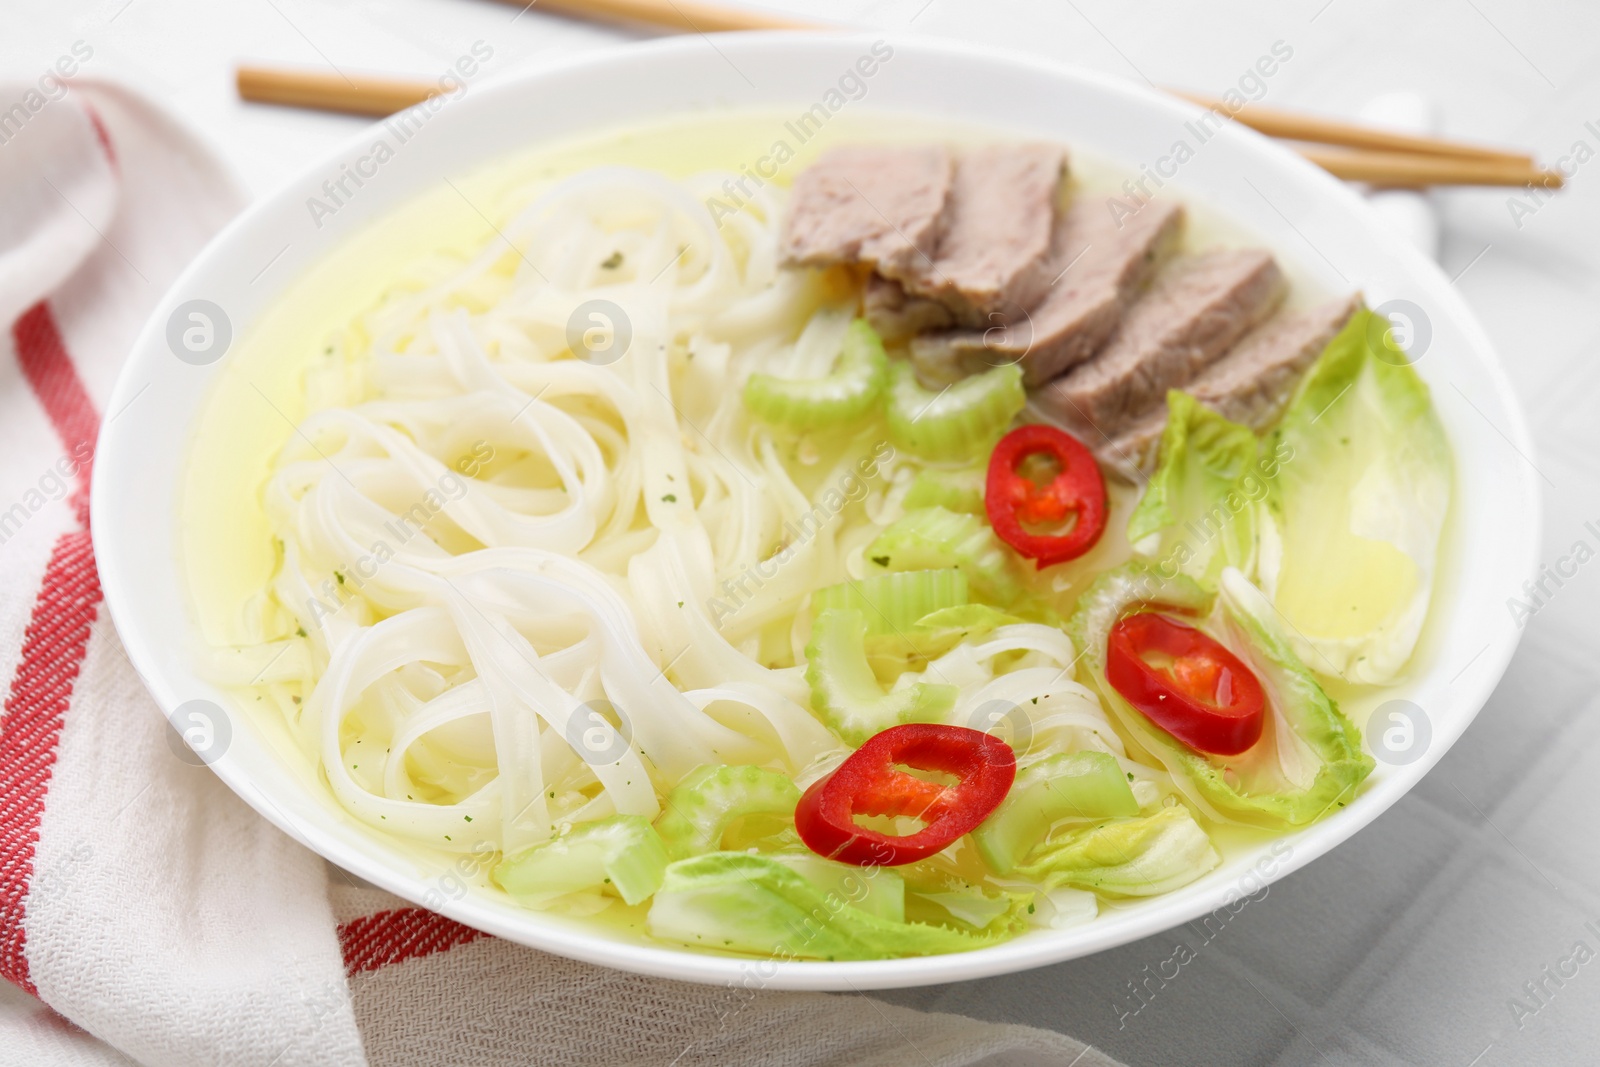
<point>1309,757</point>
<point>1359,504</point>
<point>623,850</point>
<point>751,903</point>
<point>940,897</point>
<point>1199,512</point>
<point>1139,857</point>
<point>878,891</point>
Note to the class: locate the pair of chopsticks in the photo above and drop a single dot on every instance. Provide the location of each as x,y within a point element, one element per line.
<point>1382,157</point>
<point>1360,153</point>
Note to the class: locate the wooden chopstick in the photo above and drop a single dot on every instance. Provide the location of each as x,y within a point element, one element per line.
<point>1398,170</point>
<point>686,16</point>
<point>1295,126</point>
<point>364,95</point>
<point>697,15</point>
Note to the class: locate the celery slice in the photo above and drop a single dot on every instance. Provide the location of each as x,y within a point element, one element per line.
<point>846,694</point>
<point>707,801</point>
<point>1083,785</point>
<point>892,602</point>
<point>932,636</point>
<point>623,851</point>
<point>848,392</point>
<point>962,421</point>
<point>954,490</point>
<point>927,538</point>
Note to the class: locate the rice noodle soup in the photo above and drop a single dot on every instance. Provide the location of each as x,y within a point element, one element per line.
<point>817,566</point>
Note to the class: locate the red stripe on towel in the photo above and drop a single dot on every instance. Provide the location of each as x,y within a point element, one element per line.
<point>49,370</point>
<point>41,690</point>
<point>397,935</point>
<point>53,646</point>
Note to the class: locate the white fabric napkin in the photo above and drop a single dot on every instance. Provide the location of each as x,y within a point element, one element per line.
<point>155,917</point>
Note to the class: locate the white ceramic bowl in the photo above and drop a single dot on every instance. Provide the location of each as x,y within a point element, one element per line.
<point>1291,204</point>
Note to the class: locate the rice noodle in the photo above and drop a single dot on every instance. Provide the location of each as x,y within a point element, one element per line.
<point>501,564</point>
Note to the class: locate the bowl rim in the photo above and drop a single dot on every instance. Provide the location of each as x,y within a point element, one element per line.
<point>1110,929</point>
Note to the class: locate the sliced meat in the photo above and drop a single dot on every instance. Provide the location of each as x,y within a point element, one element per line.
<point>1097,267</point>
<point>868,204</point>
<point>1193,313</point>
<point>1250,385</point>
<point>994,236</point>
<point>897,315</point>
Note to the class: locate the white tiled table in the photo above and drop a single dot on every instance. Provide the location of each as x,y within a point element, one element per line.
<point>1407,944</point>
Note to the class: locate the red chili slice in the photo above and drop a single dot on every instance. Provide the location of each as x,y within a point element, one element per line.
<point>870,782</point>
<point>1186,683</point>
<point>1013,499</point>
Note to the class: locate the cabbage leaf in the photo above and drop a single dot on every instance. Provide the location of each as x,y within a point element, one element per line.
<point>1357,508</point>
<point>1198,513</point>
<point>739,902</point>
<point>1137,857</point>
<point>1309,759</point>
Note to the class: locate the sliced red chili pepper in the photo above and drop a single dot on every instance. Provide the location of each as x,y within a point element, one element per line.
<point>870,782</point>
<point>1186,683</point>
<point>1012,499</point>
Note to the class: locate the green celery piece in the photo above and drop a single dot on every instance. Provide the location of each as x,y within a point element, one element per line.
<point>752,903</point>
<point>892,602</point>
<point>706,802</point>
<point>846,694</point>
<point>961,422</point>
<point>1266,795</point>
<point>929,538</point>
<point>932,636</point>
<point>1363,485</point>
<point>1199,512</point>
<point>954,490</point>
<point>623,850</point>
<point>967,620</point>
<point>878,891</point>
<point>846,394</point>
<point>1139,857</point>
<point>1078,785</point>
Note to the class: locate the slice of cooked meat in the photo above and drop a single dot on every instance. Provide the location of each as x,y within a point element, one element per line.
<point>868,204</point>
<point>897,315</point>
<point>1193,313</point>
<point>1250,385</point>
<point>994,235</point>
<point>1097,267</point>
